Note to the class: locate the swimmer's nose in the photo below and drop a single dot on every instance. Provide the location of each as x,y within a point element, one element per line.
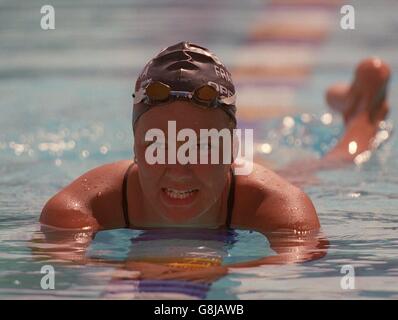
<point>179,173</point>
<point>178,168</point>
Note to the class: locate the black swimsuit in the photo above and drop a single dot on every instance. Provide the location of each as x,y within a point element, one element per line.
<point>230,203</point>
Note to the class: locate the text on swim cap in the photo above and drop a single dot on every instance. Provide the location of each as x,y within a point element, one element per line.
<point>221,73</point>
<point>221,89</point>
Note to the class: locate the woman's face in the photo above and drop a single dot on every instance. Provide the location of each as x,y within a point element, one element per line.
<point>180,193</point>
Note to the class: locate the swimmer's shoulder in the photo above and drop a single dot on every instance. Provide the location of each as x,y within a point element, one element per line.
<point>265,201</point>
<point>92,200</point>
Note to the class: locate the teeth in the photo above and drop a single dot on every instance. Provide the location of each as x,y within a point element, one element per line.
<point>178,194</point>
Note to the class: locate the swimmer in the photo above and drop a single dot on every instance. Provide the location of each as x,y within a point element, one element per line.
<point>136,194</point>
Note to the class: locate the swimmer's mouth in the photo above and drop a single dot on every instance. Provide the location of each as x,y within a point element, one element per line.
<point>179,194</point>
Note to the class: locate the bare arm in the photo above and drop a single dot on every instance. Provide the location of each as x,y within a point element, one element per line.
<point>285,215</point>
<point>71,218</point>
<point>92,201</point>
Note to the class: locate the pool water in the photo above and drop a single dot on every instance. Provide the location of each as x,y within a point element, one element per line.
<point>65,108</point>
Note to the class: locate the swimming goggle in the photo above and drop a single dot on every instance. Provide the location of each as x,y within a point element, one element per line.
<point>156,93</point>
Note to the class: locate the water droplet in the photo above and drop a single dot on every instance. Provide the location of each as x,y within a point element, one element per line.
<point>104,150</point>
<point>326,118</point>
<point>85,153</point>
<point>288,122</point>
<point>354,194</point>
<point>352,147</point>
<point>266,148</point>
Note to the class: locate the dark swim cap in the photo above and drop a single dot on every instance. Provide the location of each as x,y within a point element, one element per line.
<point>185,67</point>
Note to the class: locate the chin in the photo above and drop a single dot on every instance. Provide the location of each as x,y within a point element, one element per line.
<point>179,216</point>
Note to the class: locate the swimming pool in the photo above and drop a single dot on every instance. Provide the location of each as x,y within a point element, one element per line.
<point>65,104</point>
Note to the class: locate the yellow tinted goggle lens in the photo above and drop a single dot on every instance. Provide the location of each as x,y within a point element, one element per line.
<point>206,93</point>
<point>158,91</point>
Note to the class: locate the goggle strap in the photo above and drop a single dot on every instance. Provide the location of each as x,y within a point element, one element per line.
<point>140,95</point>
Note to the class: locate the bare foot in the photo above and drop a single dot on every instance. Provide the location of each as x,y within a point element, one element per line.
<point>367,92</point>
<point>363,104</point>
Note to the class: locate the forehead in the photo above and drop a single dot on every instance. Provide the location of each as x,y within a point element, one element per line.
<point>185,114</point>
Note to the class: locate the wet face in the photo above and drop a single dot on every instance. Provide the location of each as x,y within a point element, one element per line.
<point>180,194</point>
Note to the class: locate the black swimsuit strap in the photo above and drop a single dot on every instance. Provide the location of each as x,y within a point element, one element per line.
<point>124,197</point>
<point>230,201</point>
